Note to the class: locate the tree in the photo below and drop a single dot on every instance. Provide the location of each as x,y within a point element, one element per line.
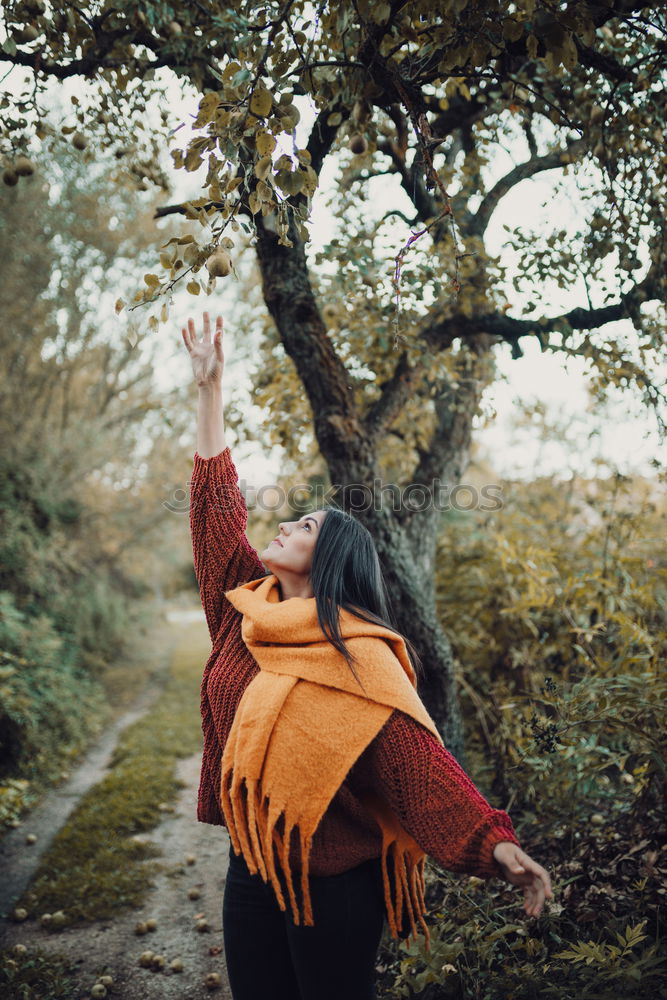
<point>85,433</point>
<point>88,454</point>
<point>429,95</point>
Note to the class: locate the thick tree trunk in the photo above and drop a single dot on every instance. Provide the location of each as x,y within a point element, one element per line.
<point>405,540</point>
<point>411,585</point>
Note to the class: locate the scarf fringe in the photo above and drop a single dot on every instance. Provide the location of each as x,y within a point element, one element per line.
<point>408,891</point>
<point>252,826</point>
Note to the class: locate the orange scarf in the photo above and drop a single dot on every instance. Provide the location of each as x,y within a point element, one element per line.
<point>300,726</point>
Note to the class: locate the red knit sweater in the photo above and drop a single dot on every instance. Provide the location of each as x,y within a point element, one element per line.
<point>433,797</point>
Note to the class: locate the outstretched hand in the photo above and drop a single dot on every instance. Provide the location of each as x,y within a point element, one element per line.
<point>520,869</point>
<point>206,356</point>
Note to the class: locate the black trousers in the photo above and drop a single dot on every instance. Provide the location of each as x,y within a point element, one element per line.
<point>270,958</point>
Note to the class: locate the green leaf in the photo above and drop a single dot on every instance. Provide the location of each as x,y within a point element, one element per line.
<point>240,77</point>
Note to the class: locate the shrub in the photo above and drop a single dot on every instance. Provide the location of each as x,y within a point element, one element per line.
<point>48,704</point>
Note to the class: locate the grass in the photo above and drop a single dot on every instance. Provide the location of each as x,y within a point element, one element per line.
<point>35,975</point>
<point>94,867</point>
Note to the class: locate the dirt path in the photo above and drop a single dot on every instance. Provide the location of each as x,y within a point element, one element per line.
<point>111,947</point>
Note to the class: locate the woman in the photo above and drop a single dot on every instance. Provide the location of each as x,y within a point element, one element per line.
<point>319,757</point>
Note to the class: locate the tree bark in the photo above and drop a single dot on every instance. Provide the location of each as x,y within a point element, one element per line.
<point>405,538</point>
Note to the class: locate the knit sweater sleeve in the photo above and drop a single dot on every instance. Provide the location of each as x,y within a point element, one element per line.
<point>434,798</point>
<point>223,556</point>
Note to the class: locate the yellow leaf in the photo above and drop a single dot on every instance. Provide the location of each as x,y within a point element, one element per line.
<point>261,102</point>
<point>120,305</point>
<point>265,143</point>
<point>193,287</point>
<point>380,12</point>
<point>207,109</point>
<point>152,280</point>
<point>512,30</point>
<point>193,160</point>
<point>153,323</point>
<point>263,167</point>
<point>569,52</point>
<point>264,192</point>
<point>164,313</point>
<point>309,181</point>
<point>230,71</point>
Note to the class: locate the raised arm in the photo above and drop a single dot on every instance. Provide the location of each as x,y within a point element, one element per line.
<point>223,557</point>
<point>208,363</point>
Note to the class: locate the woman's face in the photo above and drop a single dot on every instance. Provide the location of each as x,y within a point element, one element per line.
<point>291,551</point>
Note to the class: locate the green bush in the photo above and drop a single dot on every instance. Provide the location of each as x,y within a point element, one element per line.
<point>555,607</point>
<point>560,636</point>
<point>482,948</point>
<point>36,975</point>
<point>48,704</point>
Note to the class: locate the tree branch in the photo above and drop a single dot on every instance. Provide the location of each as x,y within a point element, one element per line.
<point>448,448</point>
<point>536,165</point>
<point>291,302</point>
<point>442,334</point>
<point>395,393</point>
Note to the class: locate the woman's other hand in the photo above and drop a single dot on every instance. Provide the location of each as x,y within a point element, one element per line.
<point>520,869</point>
<point>207,359</point>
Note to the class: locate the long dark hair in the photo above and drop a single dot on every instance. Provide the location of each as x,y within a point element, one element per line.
<point>346,573</point>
